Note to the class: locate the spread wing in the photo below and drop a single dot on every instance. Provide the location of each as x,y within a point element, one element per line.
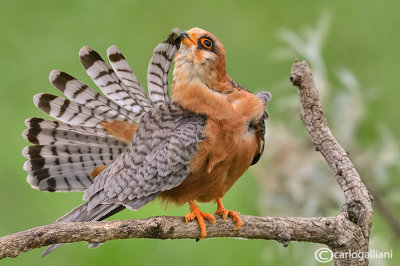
<point>157,159</point>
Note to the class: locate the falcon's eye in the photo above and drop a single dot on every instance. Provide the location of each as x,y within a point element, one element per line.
<point>207,43</point>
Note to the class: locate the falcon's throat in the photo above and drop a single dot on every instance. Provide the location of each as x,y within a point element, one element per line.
<point>195,61</point>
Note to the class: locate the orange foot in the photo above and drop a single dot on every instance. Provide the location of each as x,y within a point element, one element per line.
<point>225,213</point>
<point>196,213</point>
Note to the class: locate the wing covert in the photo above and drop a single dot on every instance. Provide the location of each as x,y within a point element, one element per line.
<point>158,159</point>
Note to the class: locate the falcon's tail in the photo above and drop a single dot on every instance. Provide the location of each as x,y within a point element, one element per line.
<point>92,129</point>
<point>81,214</point>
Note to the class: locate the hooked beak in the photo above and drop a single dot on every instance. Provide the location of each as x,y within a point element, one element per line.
<point>187,39</point>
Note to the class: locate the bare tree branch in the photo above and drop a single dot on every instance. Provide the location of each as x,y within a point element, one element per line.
<point>358,208</point>
<point>318,230</point>
<point>348,231</point>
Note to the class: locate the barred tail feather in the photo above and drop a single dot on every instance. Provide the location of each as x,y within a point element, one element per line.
<point>44,136</point>
<point>66,155</point>
<point>40,123</point>
<point>82,94</point>
<point>70,161</point>
<point>67,111</point>
<point>127,77</point>
<point>65,167</point>
<point>64,159</point>
<point>157,72</point>
<point>39,151</point>
<point>59,182</point>
<point>106,79</point>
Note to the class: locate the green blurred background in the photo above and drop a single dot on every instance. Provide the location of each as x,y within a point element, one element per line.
<point>38,36</point>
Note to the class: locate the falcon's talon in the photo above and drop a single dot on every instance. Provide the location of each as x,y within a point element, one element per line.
<point>209,217</point>
<point>200,216</point>
<point>225,213</point>
<point>236,218</point>
<point>189,217</point>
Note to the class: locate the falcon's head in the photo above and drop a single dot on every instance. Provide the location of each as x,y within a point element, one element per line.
<point>201,55</point>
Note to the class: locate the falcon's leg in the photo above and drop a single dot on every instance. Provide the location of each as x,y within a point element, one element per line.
<point>224,213</point>
<point>196,213</point>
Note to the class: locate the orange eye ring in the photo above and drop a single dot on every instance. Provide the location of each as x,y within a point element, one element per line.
<point>207,43</point>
